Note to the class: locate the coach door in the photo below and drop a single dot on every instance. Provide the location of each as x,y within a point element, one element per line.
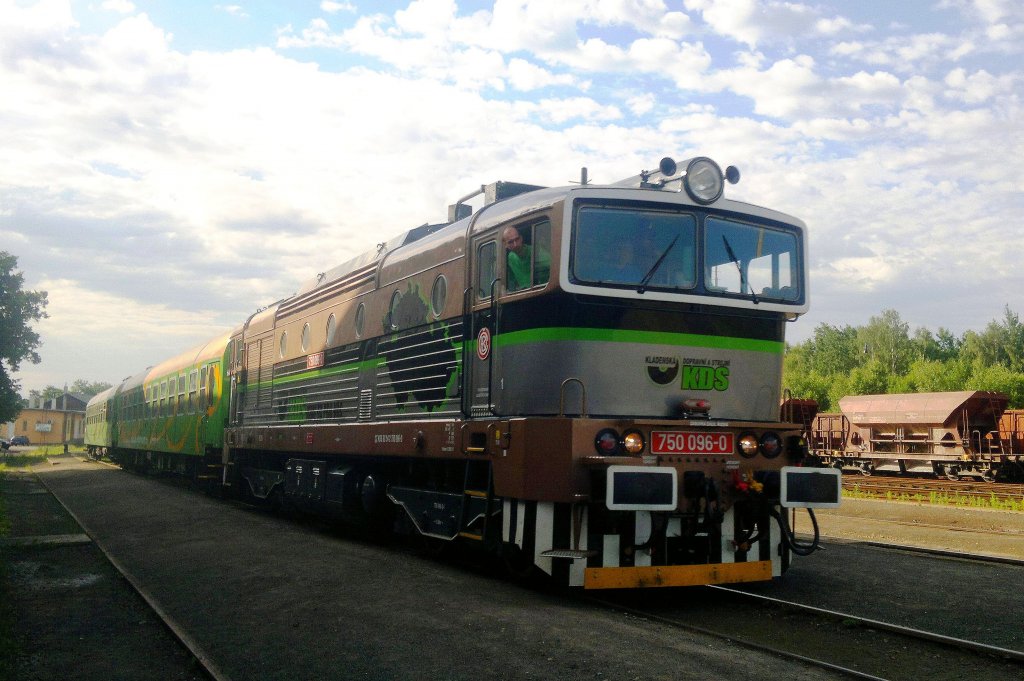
<point>481,307</point>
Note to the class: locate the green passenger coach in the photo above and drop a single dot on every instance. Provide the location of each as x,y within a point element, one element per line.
<point>171,416</point>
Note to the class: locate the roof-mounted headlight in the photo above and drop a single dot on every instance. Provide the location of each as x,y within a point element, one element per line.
<point>703,181</point>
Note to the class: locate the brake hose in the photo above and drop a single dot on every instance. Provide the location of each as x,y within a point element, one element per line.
<point>789,537</point>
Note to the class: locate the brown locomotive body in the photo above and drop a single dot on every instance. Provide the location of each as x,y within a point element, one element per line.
<point>611,427</point>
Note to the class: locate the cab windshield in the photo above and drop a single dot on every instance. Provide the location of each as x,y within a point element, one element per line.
<point>650,248</point>
<point>750,260</point>
<point>627,247</point>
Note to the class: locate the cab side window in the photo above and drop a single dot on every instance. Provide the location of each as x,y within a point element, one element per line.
<point>486,259</point>
<point>527,255</point>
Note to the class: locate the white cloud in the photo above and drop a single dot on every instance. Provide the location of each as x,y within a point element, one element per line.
<point>641,104</point>
<point>233,10</point>
<point>230,176</point>
<point>524,75</point>
<point>794,89</point>
<point>977,87</point>
<point>119,6</point>
<point>561,110</point>
<point>757,22</point>
<point>332,7</point>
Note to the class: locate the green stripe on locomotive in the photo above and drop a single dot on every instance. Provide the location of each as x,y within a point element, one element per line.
<point>658,338</point>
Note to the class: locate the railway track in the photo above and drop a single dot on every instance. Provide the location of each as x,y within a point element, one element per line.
<point>839,642</point>
<point>881,485</point>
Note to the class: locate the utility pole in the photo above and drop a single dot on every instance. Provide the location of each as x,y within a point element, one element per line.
<point>65,428</point>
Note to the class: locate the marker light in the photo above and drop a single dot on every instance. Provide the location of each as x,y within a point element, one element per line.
<point>771,445</point>
<point>747,444</point>
<point>703,180</point>
<point>607,442</point>
<point>695,406</point>
<point>633,442</point>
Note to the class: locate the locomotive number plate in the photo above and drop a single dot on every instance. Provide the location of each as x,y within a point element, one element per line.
<point>684,442</point>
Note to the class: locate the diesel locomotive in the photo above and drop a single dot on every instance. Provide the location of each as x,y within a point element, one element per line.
<point>584,380</point>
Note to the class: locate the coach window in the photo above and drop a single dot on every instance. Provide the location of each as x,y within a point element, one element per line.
<point>360,320</point>
<point>486,269</point>
<point>332,326</point>
<point>211,379</point>
<point>193,378</point>
<point>305,337</point>
<point>202,388</point>
<point>438,295</point>
<point>284,344</point>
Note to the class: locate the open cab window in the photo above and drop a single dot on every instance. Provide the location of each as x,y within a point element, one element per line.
<point>527,255</point>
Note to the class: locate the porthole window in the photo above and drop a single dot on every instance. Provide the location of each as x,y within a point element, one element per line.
<point>360,319</point>
<point>284,343</point>
<point>332,326</point>
<point>438,295</point>
<point>396,298</point>
<point>305,337</point>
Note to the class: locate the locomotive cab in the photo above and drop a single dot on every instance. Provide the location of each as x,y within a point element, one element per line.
<point>640,375</point>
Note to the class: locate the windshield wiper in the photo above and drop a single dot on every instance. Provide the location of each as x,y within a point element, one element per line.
<point>654,268</point>
<point>743,277</point>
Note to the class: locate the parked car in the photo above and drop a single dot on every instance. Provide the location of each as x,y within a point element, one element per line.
<point>19,440</point>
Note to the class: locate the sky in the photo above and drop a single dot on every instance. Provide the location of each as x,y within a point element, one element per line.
<point>166,168</point>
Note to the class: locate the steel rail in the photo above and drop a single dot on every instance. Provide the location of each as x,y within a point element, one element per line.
<point>945,553</point>
<point>206,664</point>
<point>973,646</point>
<point>752,645</point>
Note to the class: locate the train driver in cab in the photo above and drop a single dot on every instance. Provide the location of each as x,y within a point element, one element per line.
<point>522,258</point>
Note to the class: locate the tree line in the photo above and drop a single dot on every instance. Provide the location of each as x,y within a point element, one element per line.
<point>81,388</point>
<point>883,356</point>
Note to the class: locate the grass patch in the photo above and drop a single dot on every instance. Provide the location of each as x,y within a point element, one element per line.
<point>955,499</point>
<point>12,461</point>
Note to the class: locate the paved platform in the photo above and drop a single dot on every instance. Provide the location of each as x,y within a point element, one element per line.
<point>273,599</point>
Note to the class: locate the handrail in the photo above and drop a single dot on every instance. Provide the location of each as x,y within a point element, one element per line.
<point>583,393</point>
<point>495,311</point>
<point>467,367</point>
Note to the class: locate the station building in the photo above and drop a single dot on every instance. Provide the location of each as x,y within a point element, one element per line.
<point>50,422</point>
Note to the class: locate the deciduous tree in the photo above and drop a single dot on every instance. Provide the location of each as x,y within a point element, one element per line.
<point>18,342</point>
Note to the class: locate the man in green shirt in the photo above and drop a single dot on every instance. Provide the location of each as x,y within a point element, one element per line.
<point>518,260</point>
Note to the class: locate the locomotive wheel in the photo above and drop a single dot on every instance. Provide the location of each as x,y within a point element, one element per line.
<point>865,470</point>
<point>987,475</point>
<point>952,473</point>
